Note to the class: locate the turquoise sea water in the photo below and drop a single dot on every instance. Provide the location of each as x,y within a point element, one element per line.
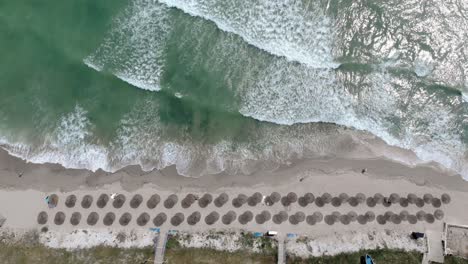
<point>215,85</point>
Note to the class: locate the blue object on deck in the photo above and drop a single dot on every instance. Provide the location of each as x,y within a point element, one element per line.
<point>369,260</point>
<point>258,234</point>
<point>289,235</point>
<point>155,229</point>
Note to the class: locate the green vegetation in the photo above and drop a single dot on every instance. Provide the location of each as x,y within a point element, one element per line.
<point>210,256</point>
<point>455,260</point>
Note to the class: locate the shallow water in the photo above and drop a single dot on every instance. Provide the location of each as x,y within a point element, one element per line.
<point>216,86</point>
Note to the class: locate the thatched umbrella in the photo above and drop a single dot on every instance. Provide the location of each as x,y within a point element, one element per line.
<point>70,201</point>
<point>177,219</point>
<point>75,218</point>
<point>370,216</point>
<point>404,202</point>
<point>370,201</point>
<point>109,219</point>
<point>143,219</point>
<point>319,202</point>
<point>59,218</point>
<point>42,218</point>
<point>188,200</point>
<point>345,219</point>
<point>280,217</point>
<point>429,218</point>
<point>381,220</point>
<point>119,201</point>
<point>379,198</point>
<point>289,199</point>
<point>362,219</point>
<point>92,219</point>
<point>254,199</point>
<point>352,216</point>
<point>336,214</point>
<point>343,197</point>
<point>436,202</point>
<point>136,200</point>
<point>419,202</point>
<point>246,217</point>
<point>330,219</point>
<point>302,201</point>
<point>404,215</point>
<point>241,199</point>
<point>428,198</point>
<point>326,197</point>
<point>212,218</point>
<point>396,219</point>
<point>361,198</point>
<point>353,201</point>
<point>309,197</point>
<point>275,197</point>
<point>262,217</point>
<point>125,219</point>
<point>336,201</point>
<point>86,201</point>
<point>229,217</point>
<point>421,215</point>
<point>153,201</point>
<point>102,200</point>
<point>205,200</point>
<point>412,219</point>
<point>194,218</point>
<point>445,198</point>
<point>170,201</point>
<point>310,220</point>
<point>387,215</point>
<point>221,200</point>
<point>412,198</point>
<point>53,200</point>
<point>439,214</point>
<point>318,217</point>
<point>160,219</point>
<point>386,202</point>
<point>394,198</point>
<point>300,216</point>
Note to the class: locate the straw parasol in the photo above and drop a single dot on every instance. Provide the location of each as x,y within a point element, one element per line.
<point>239,201</point>
<point>381,220</point>
<point>119,201</point>
<point>326,197</point>
<point>75,218</point>
<point>319,202</point>
<point>194,218</point>
<point>59,218</point>
<point>188,200</point>
<point>345,219</point>
<point>125,219</point>
<point>343,197</point>
<point>370,202</point>
<point>302,201</point>
<point>436,202</point>
<point>86,201</point>
<point>421,215</point>
<point>318,217</point>
<point>403,202</point>
<point>205,200</point>
<point>353,201</point>
<point>177,219</point>
<point>386,202</point>
<point>428,198</point>
<point>92,219</point>
<point>229,217</point>
<point>221,200</point>
<point>394,198</point>
<point>379,198</point>
<point>262,217</point>
<point>70,201</point>
<point>445,198</point>
<point>136,200</point>
<point>42,218</point>
<point>336,201</point>
<point>396,219</point>
<point>212,218</point>
<point>412,198</point>
<point>153,201</point>
<point>361,198</point>
<point>404,215</point>
<point>430,218</point>
<point>412,219</point>
<point>255,199</point>
<point>245,217</point>
<point>352,216</point>
<point>310,220</point>
<point>309,197</point>
<point>387,215</point>
<point>439,214</point>
<point>280,217</point>
<point>275,197</point>
<point>370,216</point>
<point>102,200</point>
<point>160,219</point>
<point>109,219</point>
<point>53,200</point>
<point>419,202</point>
<point>170,201</point>
<point>330,219</point>
<point>362,219</point>
<point>143,219</point>
<point>300,216</point>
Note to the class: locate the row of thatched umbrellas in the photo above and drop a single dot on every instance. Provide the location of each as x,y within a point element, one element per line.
<point>256,198</point>
<point>248,216</point>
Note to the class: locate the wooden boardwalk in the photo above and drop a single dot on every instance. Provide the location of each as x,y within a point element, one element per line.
<point>160,247</point>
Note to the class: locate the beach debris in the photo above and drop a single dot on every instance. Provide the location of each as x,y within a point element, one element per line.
<point>136,200</point>
<point>263,217</point>
<point>436,202</point>
<point>221,200</point>
<point>75,218</point>
<point>109,219</point>
<point>42,218</point>
<point>245,217</point>
<point>439,214</point>
<point>188,200</point>
<point>113,195</point>
<point>92,219</point>
<point>212,218</point>
<point>143,219</point>
<point>160,219</point>
<point>255,199</point>
<point>364,170</point>
<point>280,217</point>
<point>445,198</point>
<point>170,201</point>
<point>153,201</point>
<point>205,200</point>
<point>102,200</point>
<point>177,219</point>
<point>194,218</point>
<point>59,218</point>
<point>229,217</point>
<point>125,219</point>
<point>70,201</point>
